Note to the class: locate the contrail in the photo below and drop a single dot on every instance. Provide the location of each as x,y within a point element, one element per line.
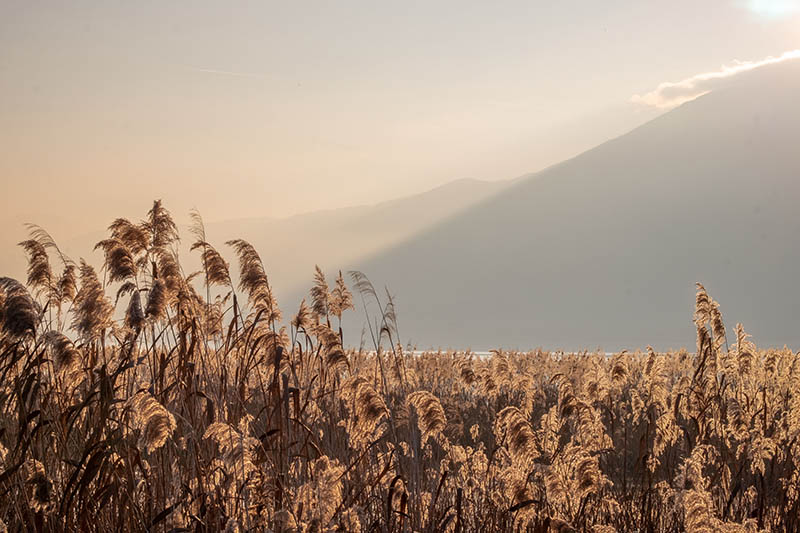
<point>227,73</point>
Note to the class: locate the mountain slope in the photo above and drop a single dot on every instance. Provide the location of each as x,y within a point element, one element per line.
<point>603,250</point>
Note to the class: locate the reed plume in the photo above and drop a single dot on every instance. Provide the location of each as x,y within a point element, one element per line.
<point>217,270</point>
<point>155,423</point>
<point>132,236</point>
<point>93,310</point>
<point>159,227</point>
<point>341,299</point>
<point>513,426</point>
<point>319,293</point>
<point>40,275</point>
<point>65,355</point>
<point>119,260</point>
<point>20,313</point>
<point>430,414</point>
<point>156,300</point>
<point>238,449</point>
<point>134,315</point>
<point>253,281</point>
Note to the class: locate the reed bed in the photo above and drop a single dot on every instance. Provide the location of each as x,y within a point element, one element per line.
<point>139,397</point>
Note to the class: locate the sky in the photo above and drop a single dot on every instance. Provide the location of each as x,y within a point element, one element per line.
<point>262,109</point>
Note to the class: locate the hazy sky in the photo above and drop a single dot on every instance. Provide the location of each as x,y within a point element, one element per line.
<point>266,109</point>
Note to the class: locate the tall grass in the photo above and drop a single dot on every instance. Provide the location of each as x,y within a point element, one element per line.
<point>144,398</point>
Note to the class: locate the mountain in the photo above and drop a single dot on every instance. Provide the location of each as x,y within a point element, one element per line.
<point>603,250</point>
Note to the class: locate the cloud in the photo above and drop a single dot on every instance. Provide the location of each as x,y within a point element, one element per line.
<point>671,94</point>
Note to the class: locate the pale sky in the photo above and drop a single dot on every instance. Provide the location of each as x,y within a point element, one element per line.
<point>252,109</point>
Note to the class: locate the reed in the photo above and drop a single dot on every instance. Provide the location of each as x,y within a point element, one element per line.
<point>143,398</point>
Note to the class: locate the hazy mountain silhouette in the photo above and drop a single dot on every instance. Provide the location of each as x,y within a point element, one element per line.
<point>290,247</point>
<point>604,249</point>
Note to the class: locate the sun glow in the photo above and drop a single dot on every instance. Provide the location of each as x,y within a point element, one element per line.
<point>774,8</point>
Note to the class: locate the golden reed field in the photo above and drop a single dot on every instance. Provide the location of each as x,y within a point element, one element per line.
<point>136,396</point>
